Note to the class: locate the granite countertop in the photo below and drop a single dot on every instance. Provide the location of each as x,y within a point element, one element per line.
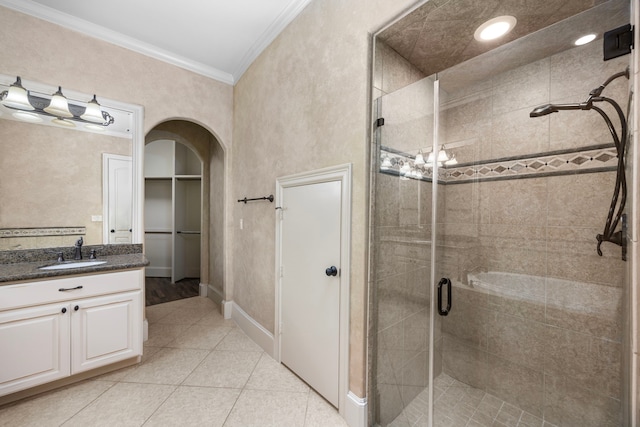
<point>24,265</point>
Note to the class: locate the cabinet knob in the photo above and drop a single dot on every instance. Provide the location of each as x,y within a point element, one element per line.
<point>64,310</point>
<point>76,308</point>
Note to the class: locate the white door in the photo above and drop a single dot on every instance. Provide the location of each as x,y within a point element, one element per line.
<point>309,297</point>
<point>118,198</point>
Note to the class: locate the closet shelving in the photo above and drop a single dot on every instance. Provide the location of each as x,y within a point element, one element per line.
<point>173,198</point>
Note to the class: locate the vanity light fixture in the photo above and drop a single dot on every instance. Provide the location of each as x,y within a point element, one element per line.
<point>93,113</point>
<point>58,107</point>
<point>406,166</point>
<point>495,28</point>
<point>386,163</point>
<point>442,157</point>
<point>26,116</point>
<point>17,97</point>
<point>585,39</point>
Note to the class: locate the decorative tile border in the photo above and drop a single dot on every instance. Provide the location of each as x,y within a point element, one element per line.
<point>42,231</point>
<point>563,162</point>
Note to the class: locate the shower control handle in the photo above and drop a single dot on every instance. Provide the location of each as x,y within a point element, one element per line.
<point>444,281</point>
<point>331,271</point>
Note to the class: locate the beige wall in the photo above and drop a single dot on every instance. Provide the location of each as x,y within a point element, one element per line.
<point>302,106</point>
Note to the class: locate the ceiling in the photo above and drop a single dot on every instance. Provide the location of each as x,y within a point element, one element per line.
<point>215,38</point>
<point>439,34</point>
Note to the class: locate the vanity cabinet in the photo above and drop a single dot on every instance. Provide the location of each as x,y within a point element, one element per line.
<point>35,346</point>
<point>55,328</point>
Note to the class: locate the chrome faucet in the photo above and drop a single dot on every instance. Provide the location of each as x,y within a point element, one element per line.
<point>78,252</point>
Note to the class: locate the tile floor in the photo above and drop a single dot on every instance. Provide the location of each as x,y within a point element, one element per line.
<point>459,405</point>
<point>198,369</point>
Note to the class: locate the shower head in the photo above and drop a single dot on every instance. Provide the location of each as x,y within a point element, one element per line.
<point>543,110</point>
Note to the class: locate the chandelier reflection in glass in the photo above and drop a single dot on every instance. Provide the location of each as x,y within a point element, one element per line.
<point>408,166</point>
<point>30,107</point>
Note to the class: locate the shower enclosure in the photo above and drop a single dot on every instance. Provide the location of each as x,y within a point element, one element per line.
<point>490,304</point>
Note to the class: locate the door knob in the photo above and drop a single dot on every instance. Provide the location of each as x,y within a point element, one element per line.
<point>331,271</point>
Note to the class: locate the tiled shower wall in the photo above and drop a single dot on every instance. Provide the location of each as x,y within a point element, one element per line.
<point>559,358</point>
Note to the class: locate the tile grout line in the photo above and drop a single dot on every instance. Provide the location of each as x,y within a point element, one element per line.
<point>85,406</point>
<point>177,386</point>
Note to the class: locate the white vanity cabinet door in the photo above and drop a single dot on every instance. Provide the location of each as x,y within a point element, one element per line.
<point>105,330</point>
<point>35,346</point>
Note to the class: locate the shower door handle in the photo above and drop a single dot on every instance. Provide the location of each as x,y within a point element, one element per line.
<point>444,281</point>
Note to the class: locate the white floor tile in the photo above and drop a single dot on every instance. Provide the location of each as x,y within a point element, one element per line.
<point>52,408</point>
<point>122,405</point>
<point>195,406</point>
<point>230,369</point>
<point>258,408</point>
<point>271,375</point>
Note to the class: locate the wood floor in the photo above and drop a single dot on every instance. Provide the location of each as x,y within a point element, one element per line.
<point>160,289</point>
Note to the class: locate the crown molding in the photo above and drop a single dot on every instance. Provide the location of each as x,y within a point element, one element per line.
<point>85,27</point>
<point>279,24</point>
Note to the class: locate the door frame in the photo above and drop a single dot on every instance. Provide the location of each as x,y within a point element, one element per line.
<point>340,173</point>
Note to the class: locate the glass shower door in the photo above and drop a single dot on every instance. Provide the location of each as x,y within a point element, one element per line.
<point>402,255</point>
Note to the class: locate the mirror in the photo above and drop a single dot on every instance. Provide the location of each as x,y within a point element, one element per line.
<point>58,183</point>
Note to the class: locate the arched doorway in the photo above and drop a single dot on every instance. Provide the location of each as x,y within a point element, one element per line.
<point>190,143</point>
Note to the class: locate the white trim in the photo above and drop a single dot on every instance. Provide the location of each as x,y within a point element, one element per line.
<point>203,289</point>
<point>214,295</point>
<point>340,173</point>
<point>96,31</point>
<point>227,309</point>
<point>355,413</point>
<point>253,329</point>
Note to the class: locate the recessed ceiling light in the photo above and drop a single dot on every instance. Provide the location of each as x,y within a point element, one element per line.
<point>494,28</point>
<point>585,39</point>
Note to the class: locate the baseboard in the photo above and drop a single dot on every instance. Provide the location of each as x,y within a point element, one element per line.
<point>227,309</point>
<point>253,329</point>
<point>355,411</point>
<point>213,294</point>
<point>203,289</point>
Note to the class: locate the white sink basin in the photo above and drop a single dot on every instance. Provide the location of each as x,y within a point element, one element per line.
<point>72,264</point>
